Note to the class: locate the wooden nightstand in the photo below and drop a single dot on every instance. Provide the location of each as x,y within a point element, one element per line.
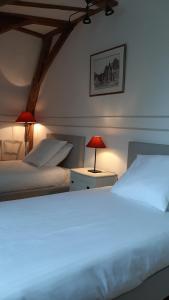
<point>81,179</point>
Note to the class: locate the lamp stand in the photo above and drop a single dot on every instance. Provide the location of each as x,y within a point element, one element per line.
<point>26,137</point>
<point>94,170</point>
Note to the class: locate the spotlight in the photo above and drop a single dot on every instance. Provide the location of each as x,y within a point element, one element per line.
<point>86,19</point>
<point>108,10</point>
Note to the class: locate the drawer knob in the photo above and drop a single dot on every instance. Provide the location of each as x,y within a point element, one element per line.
<point>88,187</point>
<point>72,181</point>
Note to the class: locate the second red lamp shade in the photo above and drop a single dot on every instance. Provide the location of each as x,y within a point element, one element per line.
<point>95,142</point>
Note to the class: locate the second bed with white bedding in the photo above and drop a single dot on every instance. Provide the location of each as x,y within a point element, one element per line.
<point>79,246</point>
<point>38,175</point>
<point>16,176</point>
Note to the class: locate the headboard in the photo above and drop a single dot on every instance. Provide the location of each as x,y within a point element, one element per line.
<point>76,157</point>
<point>135,148</point>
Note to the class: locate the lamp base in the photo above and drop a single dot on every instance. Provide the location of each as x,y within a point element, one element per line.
<point>94,171</point>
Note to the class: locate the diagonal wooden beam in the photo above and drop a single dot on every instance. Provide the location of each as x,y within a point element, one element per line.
<point>45,60</point>
<point>31,32</point>
<point>47,6</point>
<point>36,82</point>
<point>36,19</point>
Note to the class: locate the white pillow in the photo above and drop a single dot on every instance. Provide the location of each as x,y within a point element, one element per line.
<point>59,156</point>
<point>44,151</point>
<point>147,180</point>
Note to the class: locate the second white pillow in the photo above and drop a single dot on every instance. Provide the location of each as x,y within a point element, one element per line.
<point>147,180</point>
<point>44,151</point>
<point>59,156</point>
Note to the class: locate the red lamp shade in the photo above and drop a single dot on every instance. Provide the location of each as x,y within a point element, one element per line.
<point>96,142</point>
<point>26,117</point>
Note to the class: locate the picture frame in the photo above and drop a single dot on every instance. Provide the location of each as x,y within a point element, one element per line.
<point>107,71</point>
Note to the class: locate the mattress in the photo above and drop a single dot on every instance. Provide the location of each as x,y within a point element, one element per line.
<point>19,176</point>
<point>79,246</point>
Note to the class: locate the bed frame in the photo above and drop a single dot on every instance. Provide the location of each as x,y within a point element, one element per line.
<point>74,160</point>
<point>135,148</point>
<point>155,287</point>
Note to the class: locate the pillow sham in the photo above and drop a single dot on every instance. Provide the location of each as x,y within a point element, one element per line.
<point>59,156</point>
<point>44,151</point>
<point>147,181</point>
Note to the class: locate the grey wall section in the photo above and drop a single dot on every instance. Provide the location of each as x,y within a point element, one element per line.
<point>18,57</point>
<point>143,26</point>
<point>142,112</point>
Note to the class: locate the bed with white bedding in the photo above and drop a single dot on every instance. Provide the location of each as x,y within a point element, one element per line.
<point>79,246</point>
<point>21,179</point>
<point>87,245</point>
<point>17,173</point>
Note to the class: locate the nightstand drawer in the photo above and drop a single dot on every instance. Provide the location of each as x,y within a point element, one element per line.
<point>77,186</point>
<point>82,179</point>
<point>80,182</point>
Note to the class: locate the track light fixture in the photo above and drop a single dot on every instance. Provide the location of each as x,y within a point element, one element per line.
<point>106,5</point>
<point>87,19</point>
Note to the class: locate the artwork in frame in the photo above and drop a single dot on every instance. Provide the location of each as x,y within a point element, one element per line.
<point>107,71</point>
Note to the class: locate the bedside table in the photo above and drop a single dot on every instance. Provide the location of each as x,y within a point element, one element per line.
<point>81,179</point>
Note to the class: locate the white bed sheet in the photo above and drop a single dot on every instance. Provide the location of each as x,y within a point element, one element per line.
<point>83,245</point>
<point>18,175</point>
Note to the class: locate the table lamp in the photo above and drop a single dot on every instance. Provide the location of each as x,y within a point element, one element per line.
<point>95,142</point>
<point>27,119</point>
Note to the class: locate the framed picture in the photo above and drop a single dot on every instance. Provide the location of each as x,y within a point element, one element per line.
<point>107,71</point>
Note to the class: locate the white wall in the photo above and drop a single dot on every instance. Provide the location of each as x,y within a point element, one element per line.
<point>142,112</point>
<point>18,58</point>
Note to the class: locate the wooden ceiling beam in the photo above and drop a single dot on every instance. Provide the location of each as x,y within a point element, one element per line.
<point>31,32</point>
<point>37,20</point>
<point>7,23</point>
<point>47,6</point>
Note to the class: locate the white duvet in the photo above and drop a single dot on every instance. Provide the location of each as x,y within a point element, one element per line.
<point>83,245</point>
<point>19,176</point>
